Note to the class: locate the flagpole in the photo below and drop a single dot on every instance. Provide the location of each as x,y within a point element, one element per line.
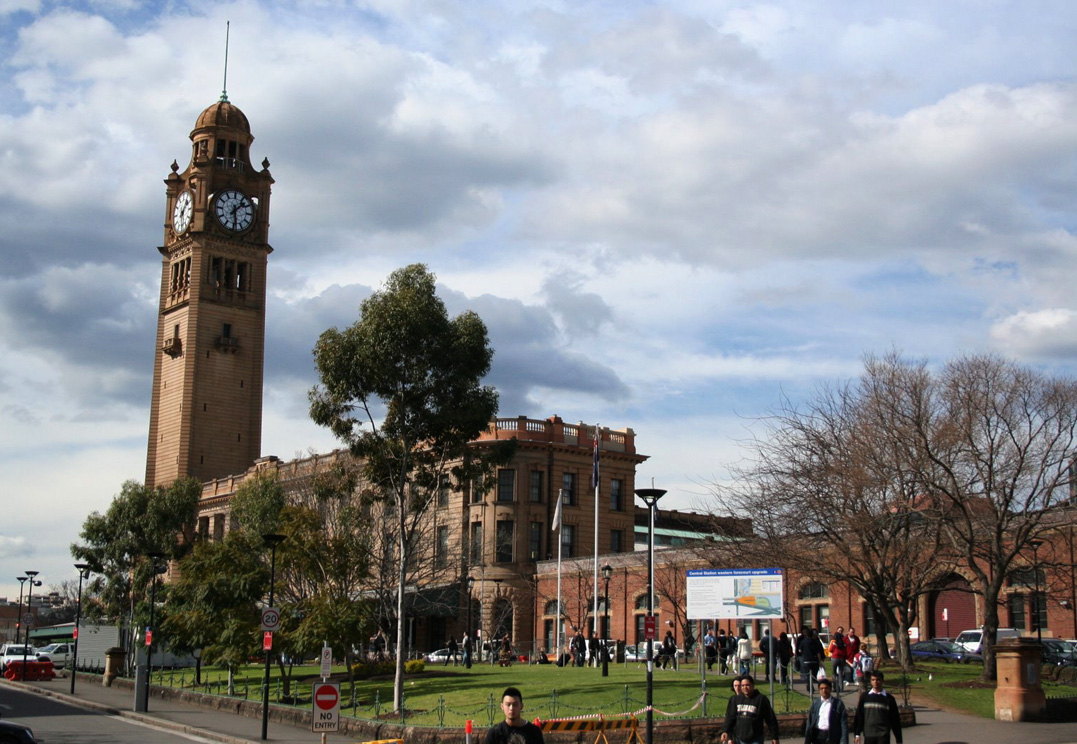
<point>560,542</point>
<point>594,484</point>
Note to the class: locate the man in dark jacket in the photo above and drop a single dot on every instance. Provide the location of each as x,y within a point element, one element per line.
<point>827,720</point>
<point>877,714</point>
<point>748,714</point>
<point>810,650</point>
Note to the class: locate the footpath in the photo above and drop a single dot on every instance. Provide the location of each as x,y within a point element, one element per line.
<point>934,726</point>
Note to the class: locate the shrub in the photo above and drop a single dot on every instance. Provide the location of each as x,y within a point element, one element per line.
<point>368,669</point>
<point>414,666</point>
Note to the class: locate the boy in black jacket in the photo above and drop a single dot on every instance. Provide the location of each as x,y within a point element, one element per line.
<point>749,711</point>
<point>877,714</point>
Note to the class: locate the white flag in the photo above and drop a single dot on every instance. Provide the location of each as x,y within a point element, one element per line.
<point>557,513</point>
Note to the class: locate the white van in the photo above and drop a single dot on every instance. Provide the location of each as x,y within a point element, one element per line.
<point>972,640</point>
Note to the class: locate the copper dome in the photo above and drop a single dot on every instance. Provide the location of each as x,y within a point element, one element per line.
<point>223,114</point>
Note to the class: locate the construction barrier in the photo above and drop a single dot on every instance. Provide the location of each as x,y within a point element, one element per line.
<point>35,670</point>
<point>599,724</point>
<point>385,741</point>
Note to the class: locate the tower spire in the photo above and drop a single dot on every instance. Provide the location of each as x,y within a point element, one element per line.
<point>224,89</point>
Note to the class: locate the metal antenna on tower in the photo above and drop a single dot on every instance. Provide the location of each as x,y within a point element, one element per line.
<point>224,90</point>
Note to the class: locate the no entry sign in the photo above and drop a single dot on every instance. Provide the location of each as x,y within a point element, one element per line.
<point>326,713</point>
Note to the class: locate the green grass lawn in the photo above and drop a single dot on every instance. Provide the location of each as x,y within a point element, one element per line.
<point>956,687</point>
<point>449,696</point>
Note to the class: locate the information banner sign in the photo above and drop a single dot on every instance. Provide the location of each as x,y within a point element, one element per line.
<point>734,593</point>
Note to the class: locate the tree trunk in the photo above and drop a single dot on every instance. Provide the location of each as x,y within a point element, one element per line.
<point>398,683</point>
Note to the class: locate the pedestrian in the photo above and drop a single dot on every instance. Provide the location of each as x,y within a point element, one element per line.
<point>579,649</point>
<point>669,650</point>
<point>453,648</point>
<point>838,650</point>
<point>853,640</point>
<point>768,644</point>
<point>732,702</point>
<point>514,729</point>
<point>864,665</point>
<point>877,714</point>
<point>744,653</point>
<point>467,649</point>
<point>751,711</point>
<point>785,655</point>
<point>827,721</point>
<point>723,652</point>
<point>810,650</point>
<point>710,648</point>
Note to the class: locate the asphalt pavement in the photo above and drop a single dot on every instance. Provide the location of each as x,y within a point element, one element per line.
<point>934,726</point>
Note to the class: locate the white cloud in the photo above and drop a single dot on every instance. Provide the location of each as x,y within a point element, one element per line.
<point>668,216</point>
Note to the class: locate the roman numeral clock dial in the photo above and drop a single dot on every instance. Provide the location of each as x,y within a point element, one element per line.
<point>234,210</point>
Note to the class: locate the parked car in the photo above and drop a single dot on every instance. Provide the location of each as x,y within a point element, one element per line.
<point>1058,653</point>
<point>943,651</point>
<point>440,656</point>
<point>15,652</point>
<point>58,653</point>
<point>972,640</point>
<point>16,733</point>
<point>639,651</point>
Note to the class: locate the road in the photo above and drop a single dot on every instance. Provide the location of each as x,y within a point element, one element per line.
<point>58,723</point>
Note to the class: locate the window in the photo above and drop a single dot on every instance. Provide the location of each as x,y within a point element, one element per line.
<point>503,550</point>
<point>476,543</point>
<point>551,608</point>
<point>615,541</point>
<point>476,491</point>
<point>441,554</point>
<point>807,617</point>
<point>443,493</point>
<point>568,540</point>
<point>534,541</point>
<point>226,330</point>
<point>870,626</point>
<point>568,488</point>
<point>536,486</point>
<point>506,485</point>
<point>617,495</point>
<point>814,590</point>
<point>1016,605</point>
<point>1027,578</point>
<point>1039,611</point>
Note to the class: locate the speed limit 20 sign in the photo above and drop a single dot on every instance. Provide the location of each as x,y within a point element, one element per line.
<point>270,618</point>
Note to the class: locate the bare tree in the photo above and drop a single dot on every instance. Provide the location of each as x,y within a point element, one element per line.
<point>834,493</point>
<point>997,441</point>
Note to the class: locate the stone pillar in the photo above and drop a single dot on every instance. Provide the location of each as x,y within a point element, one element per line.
<point>1019,695</point>
<point>113,664</point>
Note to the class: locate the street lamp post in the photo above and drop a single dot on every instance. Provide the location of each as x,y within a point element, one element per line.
<point>607,572</point>
<point>29,604</point>
<point>467,645</point>
<point>18,618</point>
<point>650,497</point>
<point>156,568</point>
<point>271,542</point>
<point>84,571</point>
<point>1040,601</point>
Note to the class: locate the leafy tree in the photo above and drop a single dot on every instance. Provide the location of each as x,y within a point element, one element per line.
<point>115,545</point>
<point>401,388</point>
<point>213,602</point>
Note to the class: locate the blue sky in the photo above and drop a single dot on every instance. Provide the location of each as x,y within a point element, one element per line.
<point>669,214</point>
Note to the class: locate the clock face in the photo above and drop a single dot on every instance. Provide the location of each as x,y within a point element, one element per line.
<point>181,215</point>
<point>234,210</point>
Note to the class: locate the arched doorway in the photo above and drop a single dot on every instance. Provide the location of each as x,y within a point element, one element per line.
<point>959,603</point>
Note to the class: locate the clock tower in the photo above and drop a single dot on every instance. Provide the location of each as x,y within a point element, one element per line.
<point>206,411</point>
